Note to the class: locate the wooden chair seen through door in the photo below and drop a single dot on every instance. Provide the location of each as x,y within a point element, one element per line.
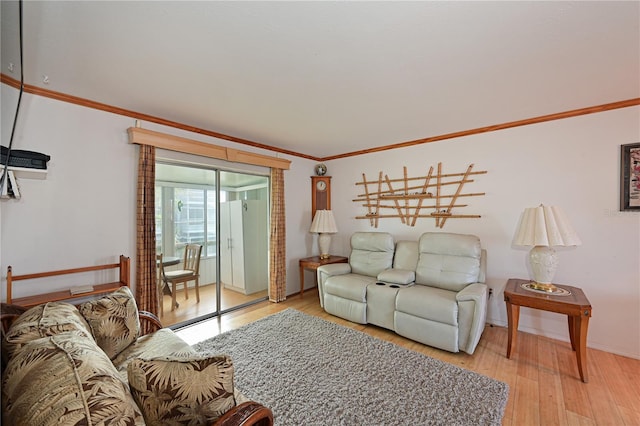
<point>190,272</point>
<point>162,284</point>
<point>160,280</point>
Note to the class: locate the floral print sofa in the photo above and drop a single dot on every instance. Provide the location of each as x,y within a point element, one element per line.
<point>89,364</point>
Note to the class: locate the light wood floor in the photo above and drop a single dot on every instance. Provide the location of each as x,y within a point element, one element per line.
<point>545,388</point>
<point>190,308</point>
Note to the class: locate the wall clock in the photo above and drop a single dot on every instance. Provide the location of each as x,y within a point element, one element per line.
<point>320,194</point>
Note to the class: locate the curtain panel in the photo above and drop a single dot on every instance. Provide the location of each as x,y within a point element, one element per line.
<point>277,241</point>
<point>146,279</point>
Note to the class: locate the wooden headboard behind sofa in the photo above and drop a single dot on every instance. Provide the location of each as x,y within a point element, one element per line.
<point>73,293</point>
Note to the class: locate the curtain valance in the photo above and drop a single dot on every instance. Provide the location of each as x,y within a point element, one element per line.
<point>141,136</point>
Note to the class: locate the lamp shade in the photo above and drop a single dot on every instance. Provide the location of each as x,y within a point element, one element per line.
<point>323,222</point>
<point>545,226</point>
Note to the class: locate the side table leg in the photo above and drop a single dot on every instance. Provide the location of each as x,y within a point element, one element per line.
<point>572,331</point>
<point>301,281</point>
<point>580,329</point>
<point>513,316</point>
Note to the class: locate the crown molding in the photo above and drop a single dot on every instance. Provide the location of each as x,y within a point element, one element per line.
<point>140,116</point>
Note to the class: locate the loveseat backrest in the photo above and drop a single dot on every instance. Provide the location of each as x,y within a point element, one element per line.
<point>449,261</point>
<point>371,253</point>
<point>406,255</point>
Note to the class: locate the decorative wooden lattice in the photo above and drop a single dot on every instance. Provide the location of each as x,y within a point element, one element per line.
<point>408,201</point>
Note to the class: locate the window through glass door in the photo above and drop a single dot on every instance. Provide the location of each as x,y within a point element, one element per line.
<point>227,214</point>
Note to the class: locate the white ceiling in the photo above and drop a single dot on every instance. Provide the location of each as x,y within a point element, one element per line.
<point>328,78</point>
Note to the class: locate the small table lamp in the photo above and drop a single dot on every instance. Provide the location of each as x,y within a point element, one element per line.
<point>544,227</point>
<point>325,225</point>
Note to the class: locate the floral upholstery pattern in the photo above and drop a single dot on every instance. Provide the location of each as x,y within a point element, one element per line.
<point>113,320</point>
<point>65,379</point>
<point>163,341</point>
<point>44,320</point>
<point>172,390</point>
<point>68,365</point>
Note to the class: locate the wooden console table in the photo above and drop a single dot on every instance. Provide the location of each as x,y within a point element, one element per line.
<point>575,306</point>
<point>313,263</point>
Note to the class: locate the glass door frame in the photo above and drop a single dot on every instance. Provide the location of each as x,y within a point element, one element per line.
<point>218,312</point>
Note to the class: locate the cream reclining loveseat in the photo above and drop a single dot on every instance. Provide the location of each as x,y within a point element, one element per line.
<point>431,291</point>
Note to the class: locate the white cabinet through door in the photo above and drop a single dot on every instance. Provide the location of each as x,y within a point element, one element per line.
<point>243,245</point>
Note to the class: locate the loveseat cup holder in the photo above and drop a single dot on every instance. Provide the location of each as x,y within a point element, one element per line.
<point>390,285</point>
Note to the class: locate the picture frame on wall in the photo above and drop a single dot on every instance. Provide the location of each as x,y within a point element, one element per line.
<point>630,177</point>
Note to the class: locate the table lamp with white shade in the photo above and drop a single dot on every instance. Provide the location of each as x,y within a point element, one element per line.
<point>545,227</point>
<point>324,224</point>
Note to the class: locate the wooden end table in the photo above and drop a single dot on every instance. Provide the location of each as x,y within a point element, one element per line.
<point>313,262</point>
<point>575,306</point>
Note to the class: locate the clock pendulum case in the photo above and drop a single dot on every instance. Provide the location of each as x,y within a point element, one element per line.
<point>320,194</point>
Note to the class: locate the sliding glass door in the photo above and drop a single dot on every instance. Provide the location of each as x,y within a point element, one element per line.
<point>243,239</point>
<point>227,214</point>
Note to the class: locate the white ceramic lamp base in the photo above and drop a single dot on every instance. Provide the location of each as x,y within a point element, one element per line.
<point>324,241</point>
<point>544,262</point>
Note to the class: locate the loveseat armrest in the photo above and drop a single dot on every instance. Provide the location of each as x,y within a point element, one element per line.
<point>9,313</point>
<point>334,269</point>
<point>246,414</point>
<point>325,271</point>
<point>149,322</point>
<point>477,293</point>
<point>397,276</point>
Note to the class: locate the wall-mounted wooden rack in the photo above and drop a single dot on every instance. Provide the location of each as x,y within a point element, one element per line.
<point>408,198</point>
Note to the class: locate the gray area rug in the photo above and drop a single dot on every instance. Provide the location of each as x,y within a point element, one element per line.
<point>313,372</point>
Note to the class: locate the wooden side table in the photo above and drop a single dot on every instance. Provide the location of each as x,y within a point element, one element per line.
<point>575,306</point>
<point>313,262</point>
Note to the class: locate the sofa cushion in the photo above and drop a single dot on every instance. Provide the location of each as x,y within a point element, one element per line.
<point>113,320</point>
<point>371,252</point>
<point>448,261</point>
<point>163,342</point>
<point>178,391</point>
<point>406,255</point>
<point>65,379</point>
<point>44,320</point>
<point>430,303</point>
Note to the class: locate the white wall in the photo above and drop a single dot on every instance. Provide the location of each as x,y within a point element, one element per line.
<point>573,163</point>
<point>83,213</point>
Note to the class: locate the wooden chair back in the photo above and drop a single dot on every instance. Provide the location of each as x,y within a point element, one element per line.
<point>192,258</point>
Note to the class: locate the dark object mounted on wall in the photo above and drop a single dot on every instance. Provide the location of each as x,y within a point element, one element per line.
<point>26,159</point>
<point>630,177</point>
